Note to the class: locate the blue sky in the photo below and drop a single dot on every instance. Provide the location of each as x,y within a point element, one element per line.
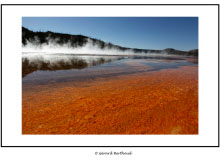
<point>135,32</point>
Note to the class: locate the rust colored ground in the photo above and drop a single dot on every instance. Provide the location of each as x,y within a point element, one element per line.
<point>161,102</point>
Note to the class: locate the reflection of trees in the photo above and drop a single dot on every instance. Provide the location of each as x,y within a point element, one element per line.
<point>74,63</point>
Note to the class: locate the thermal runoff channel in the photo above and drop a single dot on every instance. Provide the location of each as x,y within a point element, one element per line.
<point>74,84</point>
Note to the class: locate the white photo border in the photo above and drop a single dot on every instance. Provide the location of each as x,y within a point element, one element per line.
<point>208,75</point>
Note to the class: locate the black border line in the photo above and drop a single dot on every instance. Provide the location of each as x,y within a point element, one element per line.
<point>111,5</point>
<point>1,75</point>
<point>218,75</point>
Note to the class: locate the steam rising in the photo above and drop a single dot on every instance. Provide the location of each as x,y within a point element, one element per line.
<point>52,46</point>
<point>51,51</point>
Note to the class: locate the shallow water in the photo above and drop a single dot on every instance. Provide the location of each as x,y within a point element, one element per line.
<point>125,95</point>
<point>101,67</point>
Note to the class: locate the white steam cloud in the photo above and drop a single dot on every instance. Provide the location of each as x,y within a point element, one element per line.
<point>52,53</point>
<point>52,46</point>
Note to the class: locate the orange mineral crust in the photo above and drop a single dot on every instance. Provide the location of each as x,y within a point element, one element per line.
<point>160,102</point>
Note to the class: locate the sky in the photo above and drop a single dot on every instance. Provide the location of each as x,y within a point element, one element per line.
<point>135,32</point>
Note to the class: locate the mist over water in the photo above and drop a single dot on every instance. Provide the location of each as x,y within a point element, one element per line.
<point>53,55</point>
<point>57,51</point>
<point>53,46</point>
<point>74,64</point>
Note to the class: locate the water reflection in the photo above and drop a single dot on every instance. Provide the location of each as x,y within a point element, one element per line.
<point>30,65</point>
<point>56,68</point>
<point>52,62</point>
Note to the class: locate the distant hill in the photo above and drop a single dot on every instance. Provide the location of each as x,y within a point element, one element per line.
<point>75,41</point>
<point>178,52</point>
